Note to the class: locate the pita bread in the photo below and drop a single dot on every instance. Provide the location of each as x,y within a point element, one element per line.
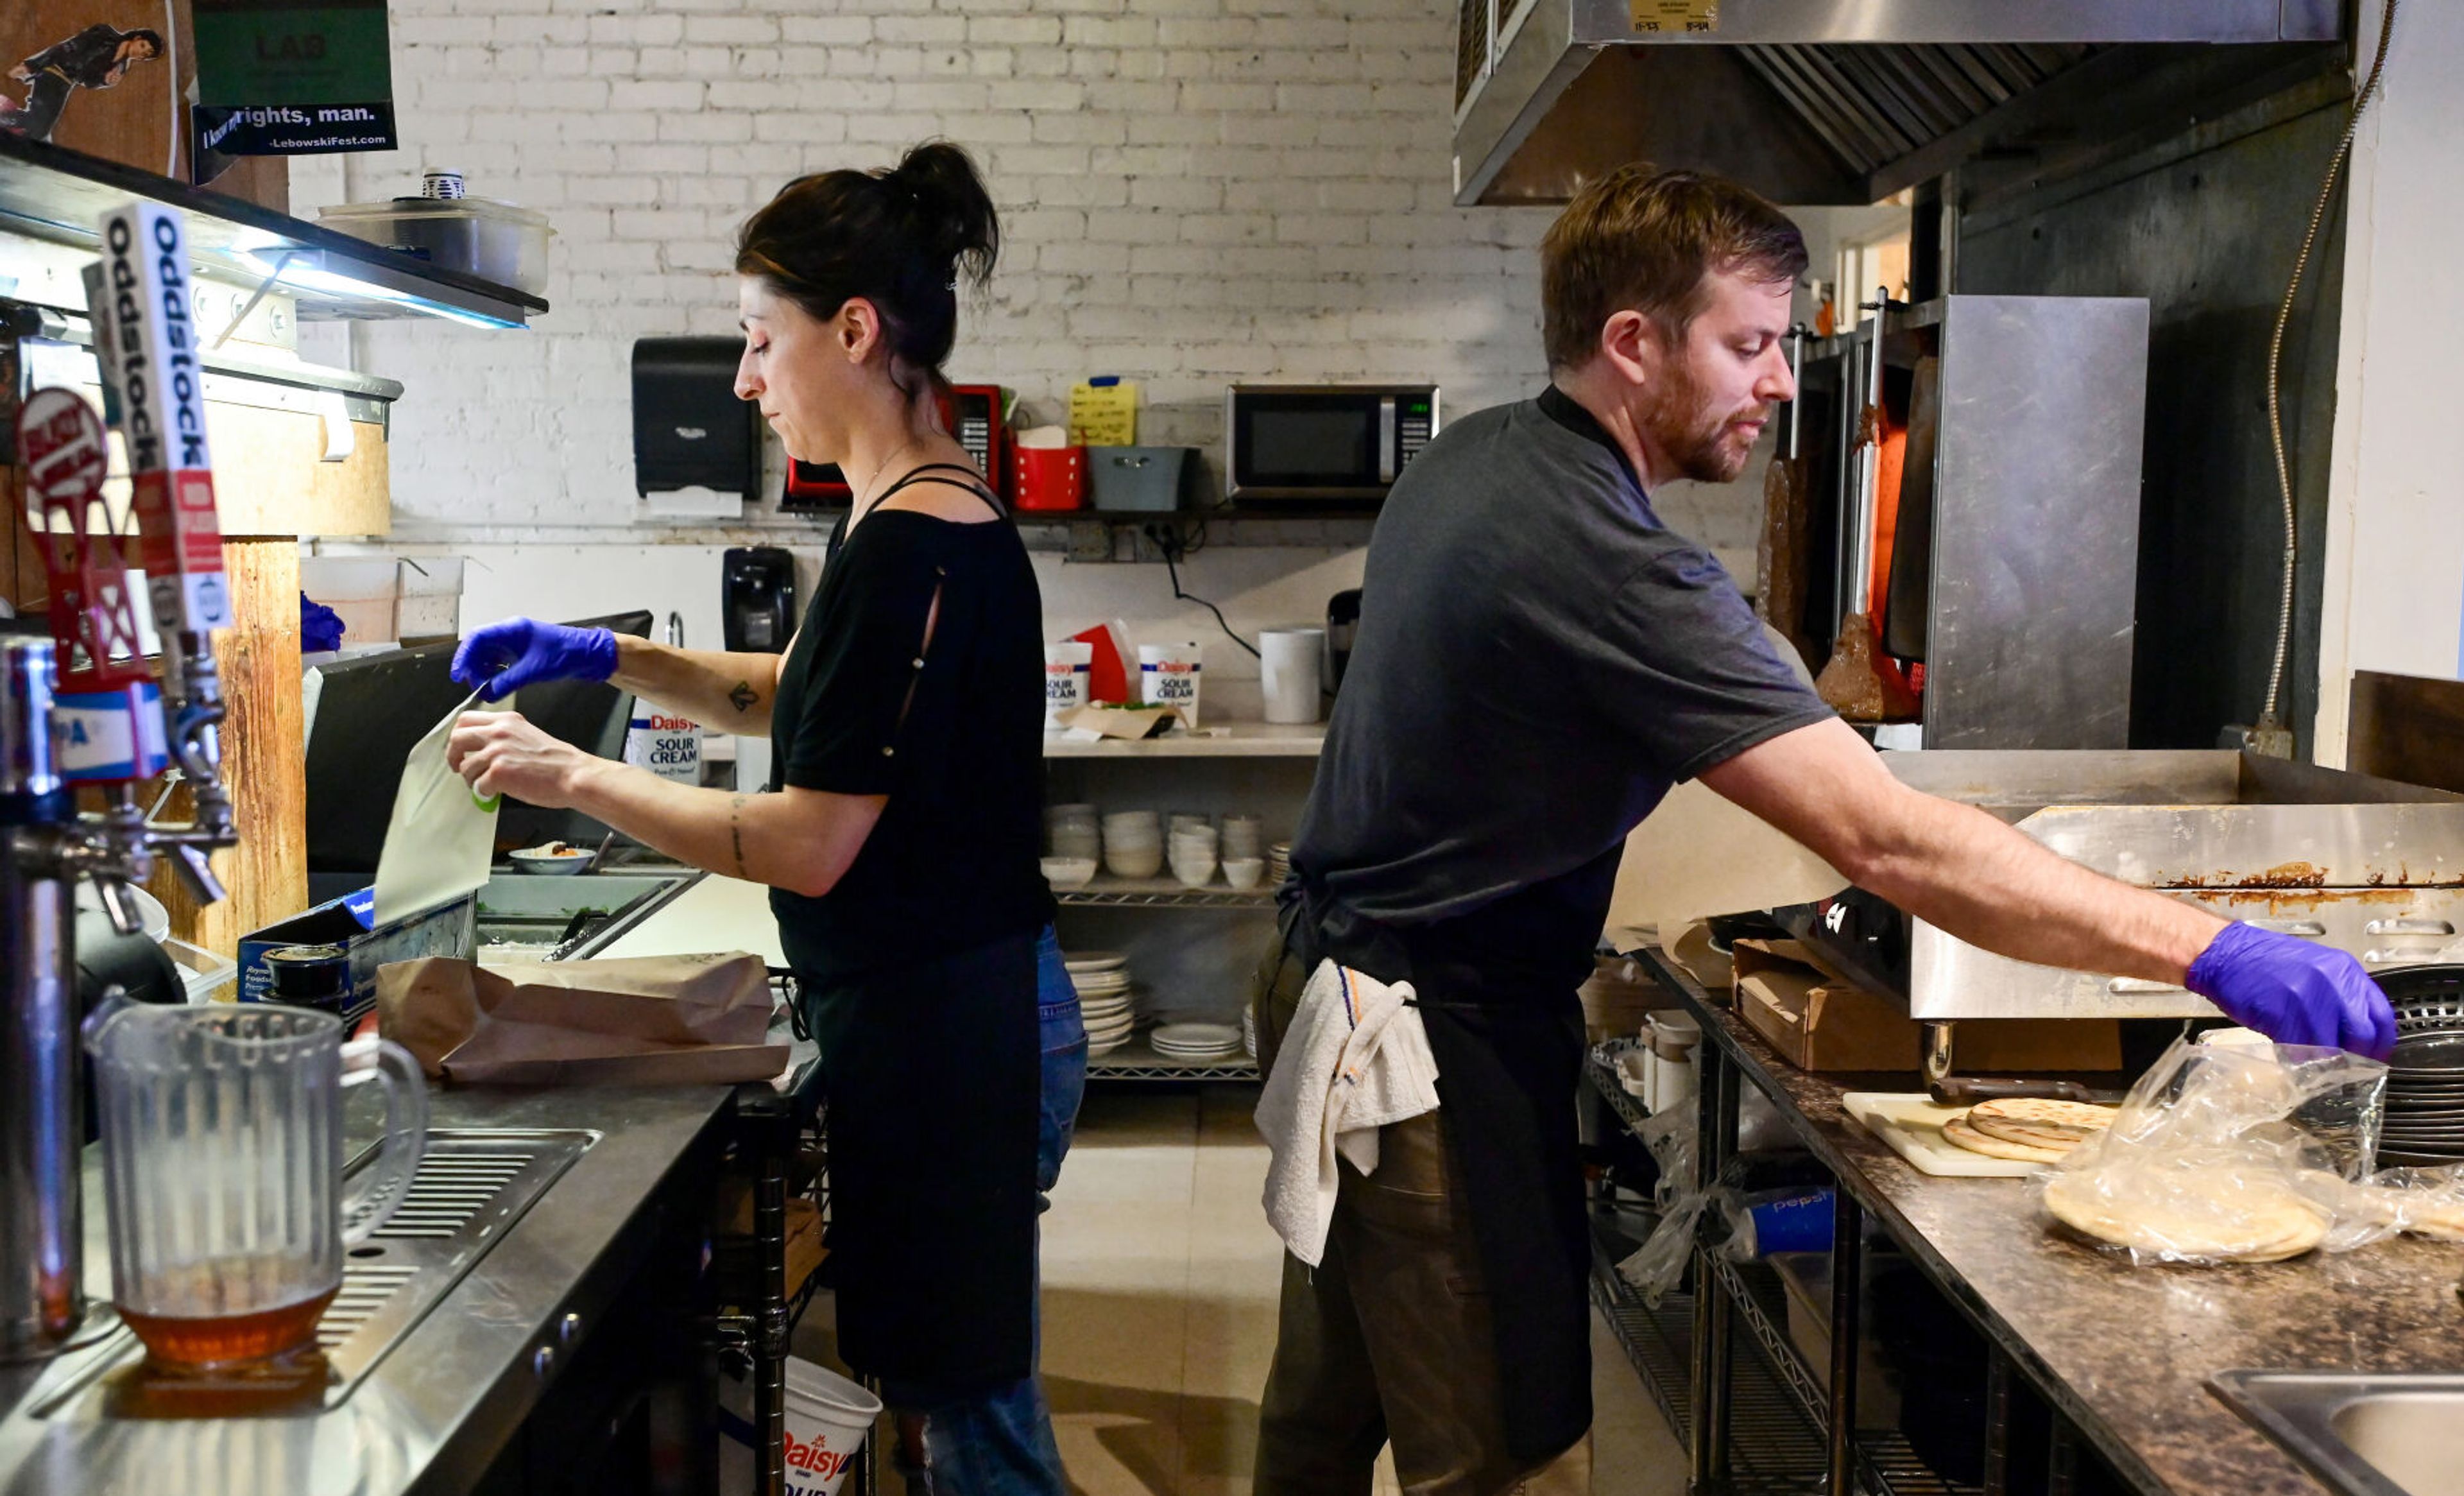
<point>1965,1136</point>
<point>2441,1221</point>
<point>2040,1122</point>
<point>2203,1216</point>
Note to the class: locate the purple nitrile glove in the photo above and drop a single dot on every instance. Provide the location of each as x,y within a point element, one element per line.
<point>500,659</point>
<point>2294,991</point>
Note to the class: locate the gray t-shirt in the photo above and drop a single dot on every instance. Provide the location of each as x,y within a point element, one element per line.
<point>1539,659</point>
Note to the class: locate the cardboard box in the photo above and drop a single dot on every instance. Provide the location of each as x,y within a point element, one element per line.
<point>2035,1045</point>
<point>449,929</point>
<point>1691,948</point>
<point>1817,1024</point>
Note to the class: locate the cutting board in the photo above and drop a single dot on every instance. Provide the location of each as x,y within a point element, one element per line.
<point>1911,1123</point>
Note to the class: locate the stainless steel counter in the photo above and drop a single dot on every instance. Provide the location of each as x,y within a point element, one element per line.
<point>436,1410</point>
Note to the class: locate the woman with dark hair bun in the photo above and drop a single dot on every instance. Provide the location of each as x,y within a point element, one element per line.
<point>902,828</point>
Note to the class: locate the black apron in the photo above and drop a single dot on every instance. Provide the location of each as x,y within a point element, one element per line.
<point>934,1082</point>
<point>1498,995</point>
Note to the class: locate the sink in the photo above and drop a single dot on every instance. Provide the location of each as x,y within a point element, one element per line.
<point>527,916</point>
<point>2372,1434</point>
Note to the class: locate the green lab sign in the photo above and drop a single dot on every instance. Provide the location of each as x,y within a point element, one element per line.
<point>282,78</point>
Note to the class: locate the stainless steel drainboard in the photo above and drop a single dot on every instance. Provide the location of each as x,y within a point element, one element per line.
<point>471,1186</point>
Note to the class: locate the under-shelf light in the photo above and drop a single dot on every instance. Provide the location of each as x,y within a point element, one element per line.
<point>272,259</point>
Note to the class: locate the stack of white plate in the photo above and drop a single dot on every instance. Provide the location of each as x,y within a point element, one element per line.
<point>1102,979</point>
<point>1249,1032</point>
<point>1279,864</point>
<point>1197,1041</point>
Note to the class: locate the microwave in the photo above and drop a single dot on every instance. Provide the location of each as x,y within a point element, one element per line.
<point>1327,442</point>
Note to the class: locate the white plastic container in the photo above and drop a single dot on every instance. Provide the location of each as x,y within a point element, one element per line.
<point>667,745</point>
<point>476,235</point>
<point>1674,1038</point>
<point>430,604</point>
<point>828,1419</point>
<point>364,591</point>
<point>1168,677</point>
<point>1068,664</point>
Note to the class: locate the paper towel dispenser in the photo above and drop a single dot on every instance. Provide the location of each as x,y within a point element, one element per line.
<point>689,429</point>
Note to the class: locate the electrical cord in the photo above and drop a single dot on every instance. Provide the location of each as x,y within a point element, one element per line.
<point>2268,717</point>
<point>1173,549</point>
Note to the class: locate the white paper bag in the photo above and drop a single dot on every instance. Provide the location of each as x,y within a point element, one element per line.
<point>442,836</point>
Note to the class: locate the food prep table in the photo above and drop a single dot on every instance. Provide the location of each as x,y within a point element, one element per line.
<point>2115,1359</point>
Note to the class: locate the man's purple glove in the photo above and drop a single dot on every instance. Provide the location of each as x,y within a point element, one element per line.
<point>2294,991</point>
<point>500,659</point>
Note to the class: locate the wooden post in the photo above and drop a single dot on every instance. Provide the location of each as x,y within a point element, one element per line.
<point>265,761</point>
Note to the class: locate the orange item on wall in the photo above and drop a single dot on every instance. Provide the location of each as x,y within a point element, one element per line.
<point>1891,465</point>
<point>1887,516</point>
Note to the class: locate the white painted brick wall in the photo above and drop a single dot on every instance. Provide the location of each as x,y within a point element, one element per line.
<point>1194,191</point>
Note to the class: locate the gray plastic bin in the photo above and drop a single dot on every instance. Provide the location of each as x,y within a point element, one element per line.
<point>1138,479</point>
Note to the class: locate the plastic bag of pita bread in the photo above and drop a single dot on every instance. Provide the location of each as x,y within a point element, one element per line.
<point>2232,1155</point>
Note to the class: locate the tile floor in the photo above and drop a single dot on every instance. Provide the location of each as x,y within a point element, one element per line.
<point>1159,1283</point>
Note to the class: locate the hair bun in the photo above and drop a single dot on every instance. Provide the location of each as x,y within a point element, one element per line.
<point>953,211</point>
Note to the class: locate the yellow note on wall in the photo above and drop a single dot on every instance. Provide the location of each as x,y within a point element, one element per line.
<point>1675,16</point>
<point>1104,415</point>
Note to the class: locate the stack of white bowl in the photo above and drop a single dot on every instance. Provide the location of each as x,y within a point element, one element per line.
<point>1193,852</point>
<point>1132,843</point>
<point>1102,979</point>
<point>1072,832</point>
<point>1244,864</point>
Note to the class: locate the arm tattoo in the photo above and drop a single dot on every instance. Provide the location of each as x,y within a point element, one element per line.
<point>743,698</point>
<point>736,828</point>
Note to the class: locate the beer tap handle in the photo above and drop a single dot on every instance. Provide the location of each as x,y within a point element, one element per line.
<point>117,903</point>
<point>196,872</point>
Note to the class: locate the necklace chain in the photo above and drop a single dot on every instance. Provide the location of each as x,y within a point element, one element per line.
<point>865,507</point>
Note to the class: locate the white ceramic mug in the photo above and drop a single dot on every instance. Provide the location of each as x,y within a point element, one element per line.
<point>1288,661</point>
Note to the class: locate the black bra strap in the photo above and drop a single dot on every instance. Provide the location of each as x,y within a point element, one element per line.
<point>917,474</point>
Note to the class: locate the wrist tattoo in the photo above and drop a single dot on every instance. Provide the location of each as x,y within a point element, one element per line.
<point>743,698</point>
<point>736,829</point>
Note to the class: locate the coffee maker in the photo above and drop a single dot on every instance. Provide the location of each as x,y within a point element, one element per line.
<point>758,599</point>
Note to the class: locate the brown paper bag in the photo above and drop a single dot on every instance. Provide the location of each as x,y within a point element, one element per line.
<point>644,1021</point>
<point>1127,722</point>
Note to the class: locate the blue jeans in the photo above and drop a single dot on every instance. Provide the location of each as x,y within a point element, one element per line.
<point>1000,1443</point>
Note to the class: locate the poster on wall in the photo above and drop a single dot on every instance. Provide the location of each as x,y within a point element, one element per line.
<point>60,57</point>
<point>292,77</point>
<point>114,78</point>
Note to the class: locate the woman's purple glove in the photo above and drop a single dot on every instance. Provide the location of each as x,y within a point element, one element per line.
<point>2294,991</point>
<point>502,658</point>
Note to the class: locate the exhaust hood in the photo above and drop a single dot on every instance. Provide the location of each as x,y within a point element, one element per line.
<point>1836,102</point>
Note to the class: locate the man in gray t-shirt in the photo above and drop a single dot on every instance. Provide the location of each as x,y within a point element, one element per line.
<point>1539,659</point>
